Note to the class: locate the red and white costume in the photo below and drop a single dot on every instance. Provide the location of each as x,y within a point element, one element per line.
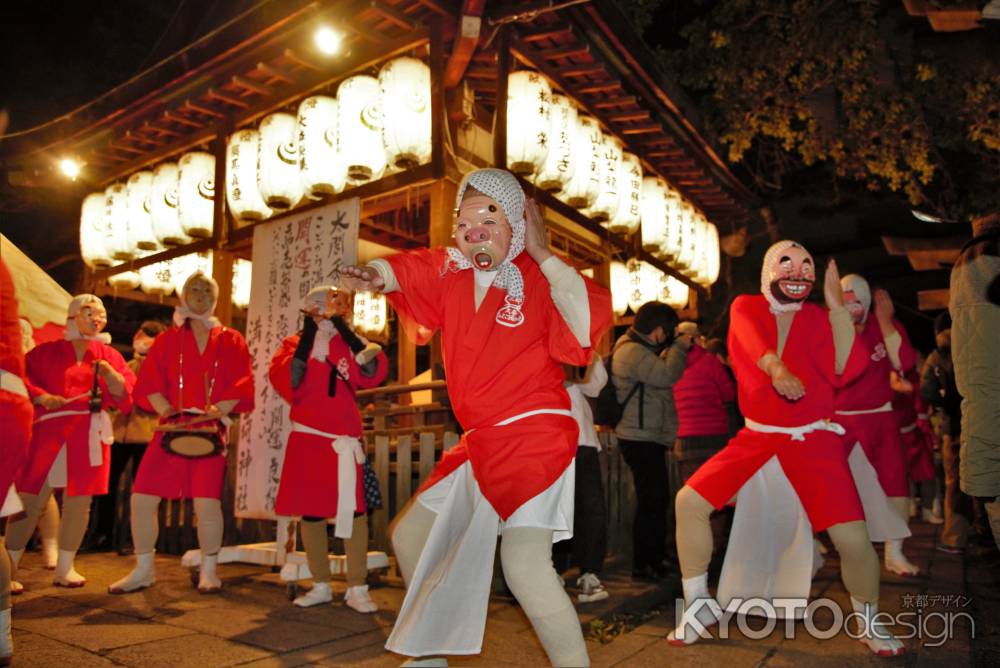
<point>16,412</point>
<point>326,433</point>
<point>225,367</point>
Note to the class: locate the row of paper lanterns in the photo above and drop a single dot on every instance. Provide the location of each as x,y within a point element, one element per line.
<point>565,152</point>
<point>635,282</point>
<point>373,126</point>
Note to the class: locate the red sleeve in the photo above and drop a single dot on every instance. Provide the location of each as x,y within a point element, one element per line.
<point>748,342</point>
<point>363,382</point>
<point>907,354</point>
<point>419,300</point>
<point>563,344</point>
<point>118,363</point>
<point>153,374</point>
<point>280,370</point>
<point>235,379</point>
<point>33,374</point>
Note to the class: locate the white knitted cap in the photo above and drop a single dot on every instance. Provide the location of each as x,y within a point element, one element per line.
<point>770,257</point>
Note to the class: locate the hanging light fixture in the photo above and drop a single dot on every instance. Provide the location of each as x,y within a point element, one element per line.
<point>405,100</point>
<point>529,98</point>
<point>619,287</point>
<point>196,193</point>
<point>125,280</point>
<point>582,190</point>
<point>673,204</point>
<point>120,241</point>
<point>278,162</point>
<point>644,283</point>
<point>699,268</point>
<point>627,217</point>
<point>322,173</point>
<point>157,279</point>
<point>712,258</point>
<point>370,312</point>
<point>687,251</point>
<point>359,129</point>
<point>93,232</point>
<point>558,168</point>
<point>137,191</point>
<point>242,271</point>
<point>673,292</point>
<point>242,193</point>
<point>163,206</point>
<point>654,214</point>
<point>610,163</point>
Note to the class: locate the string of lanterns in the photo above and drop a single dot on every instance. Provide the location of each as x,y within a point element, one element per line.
<point>636,282</point>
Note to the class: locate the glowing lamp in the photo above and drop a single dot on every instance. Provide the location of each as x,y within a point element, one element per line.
<point>370,312</point>
<point>558,168</point>
<point>673,292</point>
<point>157,279</point>
<point>582,190</point>
<point>242,271</point>
<point>163,206</point>
<point>529,98</point>
<point>675,228</point>
<point>359,129</point>
<point>70,168</point>
<point>619,288</point>
<point>712,258</point>
<point>242,193</point>
<point>120,241</point>
<point>405,93</point>
<point>322,173</point>
<point>140,220</point>
<point>687,249</point>
<point>606,204</point>
<point>327,40</point>
<point>654,214</point>
<point>126,280</point>
<point>196,193</point>
<point>627,216</point>
<point>278,162</point>
<point>93,231</point>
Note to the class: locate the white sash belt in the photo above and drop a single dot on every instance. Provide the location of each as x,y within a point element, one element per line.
<point>100,431</point>
<point>349,454</point>
<point>797,433</point>
<point>908,428</point>
<point>527,414</point>
<point>884,408</point>
<point>12,383</point>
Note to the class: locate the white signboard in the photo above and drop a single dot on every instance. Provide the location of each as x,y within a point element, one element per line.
<point>291,255</point>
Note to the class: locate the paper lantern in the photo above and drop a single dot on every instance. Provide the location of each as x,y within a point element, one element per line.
<point>606,204</point>
<point>529,98</point>
<point>654,214</point>
<point>321,171</point>
<point>125,280</point>
<point>675,225</point>
<point>93,232</point>
<point>626,218</point>
<point>643,282</point>
<point>687,253</point>
<point>278,162</point>
<point>242,193</point>
<point>196,193</point>
<point>559,165</point>
<point>701,250</point>
<point>137,191</point>
<point>157,279</point>
<point>673,292</point>
<point>182,267</point>
<point>583,189</point>
<point>712,258</point>
<point>359,129</point>
<point>120,241</point>
<point>242,271</point>
<point>620,288</point>
<point>163,206</point>
<point>405,100</point>
<point>370,312</point>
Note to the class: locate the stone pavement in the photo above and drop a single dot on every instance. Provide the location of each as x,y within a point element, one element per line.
<point>252,623</point>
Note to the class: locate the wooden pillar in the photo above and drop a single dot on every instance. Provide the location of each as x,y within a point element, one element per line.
<point>222,261</point>
<point>602,276</point>
<point>222,272</point>
<point>439,228</point>
<point>406,353</point>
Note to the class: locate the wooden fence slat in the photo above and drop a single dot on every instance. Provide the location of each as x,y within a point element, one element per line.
<point>380,518</point>
<point>404,470</point>
<point>426,463</point>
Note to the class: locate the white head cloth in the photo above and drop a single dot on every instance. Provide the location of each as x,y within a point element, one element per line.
<point>859,286</point>
<point>183,312</point>
<point>502,186</point>
<point>770,257</point>
<point>72,332</point>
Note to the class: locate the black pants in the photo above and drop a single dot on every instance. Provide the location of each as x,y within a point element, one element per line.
<point>121,455</point>
<point>649,527</point>
<point>590,518</point>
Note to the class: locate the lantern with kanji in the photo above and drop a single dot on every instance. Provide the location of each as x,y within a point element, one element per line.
<point>196,193</point>
<point>370,312</point>
<point>558,168</point>
<point>278,162</point>
<point>673,292</point>
<point>323,173</point>
<point>242,271</point>
<point>606,204</point>
<point>582,190</point>
<point>163,206</point>
<point>529,98</point>
<point>688,249</point>
<point>242,192</point>
<point>654,214</point>
<point>93,232</point>
<point>157,279</point>
<point>138,189</point>
<point>626,218</point>
<point>120,242</point>
<point>359,129</point>
<point>405,100</point>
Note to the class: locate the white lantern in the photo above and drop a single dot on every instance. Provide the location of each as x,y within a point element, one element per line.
<point>120,241</point>
<point>606,204</point>
<point>370,312</point>
<point>583,189</point>
<point>675,225</point>
<point>93,231</point>
<point>529,97</point>
<point>321,171</point>
<point>673,292</point>
<point>620,288</point>
<point>699,270</point>
<point>558,168</point>
<point>196,193</point>
<point>140,220</point>
<point>182,267</point>
<point>654,214</point>
<point>242,271</point>
<point>405,100</point>
<point>644,283</point>
<point>242,193</point>
<point>712,259</point>
<point>157,279</point>
<point>125,280</point>
<point>359,129</point>
<point>163,206</point>
<point>687,252</point>
<point>278,162</point>
<point>626,218</point>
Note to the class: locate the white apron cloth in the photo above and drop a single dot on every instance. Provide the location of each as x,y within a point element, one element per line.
<point>100,434</point>
<point>884,523</point>
<point>771,551</point>
<point>445,608</point>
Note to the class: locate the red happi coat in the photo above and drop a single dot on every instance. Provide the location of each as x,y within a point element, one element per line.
<point>15,409</point>
<point>308,485</point>
<point>225,358</point>
<point>878,433</point>
<point>816,467</point>
<point>495,372</point>
<point>52,368</point>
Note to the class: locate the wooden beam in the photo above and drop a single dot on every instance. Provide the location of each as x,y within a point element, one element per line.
<point>933,300</point>
<point>169,254</point>
<point>249,84</point>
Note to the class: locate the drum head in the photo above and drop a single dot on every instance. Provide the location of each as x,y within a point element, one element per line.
<point>192,445</point>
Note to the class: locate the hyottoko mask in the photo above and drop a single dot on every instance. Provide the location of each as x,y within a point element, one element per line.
<point>90,317</point>
<point>787,276</point>
<point>327,301</point>
<point>857,297</point>
<point>482,231</point>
